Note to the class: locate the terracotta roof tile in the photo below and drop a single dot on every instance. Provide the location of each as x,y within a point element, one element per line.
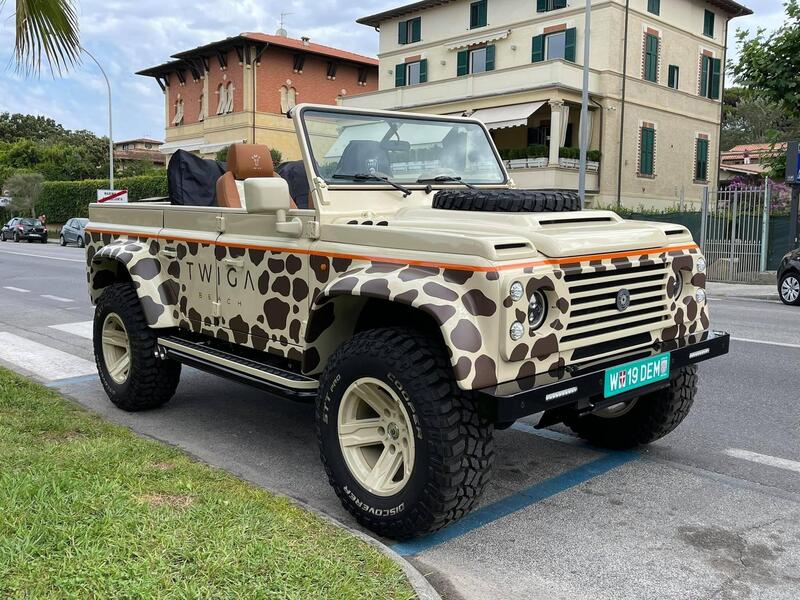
<point>296,44</point>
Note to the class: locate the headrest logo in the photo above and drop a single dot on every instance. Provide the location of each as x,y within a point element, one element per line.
<point>256,161</point>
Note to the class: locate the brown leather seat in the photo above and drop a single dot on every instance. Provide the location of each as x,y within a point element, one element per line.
<point>244,161</point>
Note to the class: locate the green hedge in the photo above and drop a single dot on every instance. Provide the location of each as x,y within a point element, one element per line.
<point>62,200</point>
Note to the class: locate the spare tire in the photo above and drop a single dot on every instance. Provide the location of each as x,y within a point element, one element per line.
<point>507,200</point>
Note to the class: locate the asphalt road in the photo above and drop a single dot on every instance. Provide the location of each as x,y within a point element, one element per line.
<point>711,511</point>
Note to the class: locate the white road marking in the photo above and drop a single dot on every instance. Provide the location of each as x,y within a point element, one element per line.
<point>751,341</point>
<point>15,289</point>
<point>44,256</point>
<point>43,361</point>
<point>82,328</point>
<point>765,459</point>
<point>57,298</point>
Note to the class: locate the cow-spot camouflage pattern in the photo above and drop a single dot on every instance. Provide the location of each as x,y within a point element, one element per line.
<point>303,306</point>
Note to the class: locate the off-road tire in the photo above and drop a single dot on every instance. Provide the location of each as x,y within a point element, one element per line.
<point>507,200</point>
<point>654,416</point>
<point>453,444</point>
<point>151,381</point>
<point>796,277</point>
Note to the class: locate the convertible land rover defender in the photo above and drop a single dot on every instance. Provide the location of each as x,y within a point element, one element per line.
<point>407,287</point>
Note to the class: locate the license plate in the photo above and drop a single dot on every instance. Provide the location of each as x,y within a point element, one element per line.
<point>636,374</point>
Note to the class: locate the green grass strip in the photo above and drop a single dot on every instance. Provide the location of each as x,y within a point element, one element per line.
<point>90,510</point>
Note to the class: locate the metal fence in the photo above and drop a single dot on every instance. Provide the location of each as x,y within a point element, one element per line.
<point>734,231</point>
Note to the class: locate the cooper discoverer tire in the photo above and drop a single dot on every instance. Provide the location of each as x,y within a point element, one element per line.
<point>652,416</point>
<point>488,200</point>
<point>119,321</point>
<point>452,447</point>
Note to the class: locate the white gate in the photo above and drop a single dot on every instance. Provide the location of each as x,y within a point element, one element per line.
<point>734,232</point>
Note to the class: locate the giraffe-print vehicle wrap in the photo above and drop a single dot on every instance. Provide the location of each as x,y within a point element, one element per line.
<point>302,305</point>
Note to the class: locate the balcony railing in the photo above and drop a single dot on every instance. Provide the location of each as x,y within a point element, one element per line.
<point>542,162</point>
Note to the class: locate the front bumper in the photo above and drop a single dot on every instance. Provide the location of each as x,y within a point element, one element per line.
<point>580,389</point>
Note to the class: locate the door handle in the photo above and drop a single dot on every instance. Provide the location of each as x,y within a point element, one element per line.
<point>236,263</point>
<point>169,252</point>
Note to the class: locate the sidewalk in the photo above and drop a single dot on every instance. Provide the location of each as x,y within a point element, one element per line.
<point>741,290</point>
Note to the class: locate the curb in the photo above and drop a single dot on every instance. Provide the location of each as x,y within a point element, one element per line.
<point>768,297</point>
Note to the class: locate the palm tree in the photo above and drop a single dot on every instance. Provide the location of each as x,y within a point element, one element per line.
<point>46,31</point>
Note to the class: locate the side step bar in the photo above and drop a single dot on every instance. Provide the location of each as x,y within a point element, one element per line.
<point>245,370</point>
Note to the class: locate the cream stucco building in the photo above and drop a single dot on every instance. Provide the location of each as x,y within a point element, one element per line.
<point>656,78</point>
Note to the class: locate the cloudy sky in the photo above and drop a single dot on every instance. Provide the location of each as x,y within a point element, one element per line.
<point>127,36</point>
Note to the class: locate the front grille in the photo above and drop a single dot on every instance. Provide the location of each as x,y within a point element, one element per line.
<point>594,315</point>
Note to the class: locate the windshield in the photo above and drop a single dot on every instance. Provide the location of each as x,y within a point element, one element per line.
<point>32,222</point>
<point>81,222</point>
<point>356,148</point>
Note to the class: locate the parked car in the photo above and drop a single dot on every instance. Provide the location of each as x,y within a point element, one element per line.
<point>21,228</point>
<point>72,232</point>
<point>789,278</point>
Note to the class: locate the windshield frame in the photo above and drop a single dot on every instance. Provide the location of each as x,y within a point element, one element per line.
<point>350,185</point>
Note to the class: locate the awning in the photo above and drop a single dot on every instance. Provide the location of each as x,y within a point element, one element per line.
<point>479,39</point>
<point>195,145</point>
<point>514,115</point>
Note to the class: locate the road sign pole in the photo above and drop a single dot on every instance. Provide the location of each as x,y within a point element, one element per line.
<point>584,133</point>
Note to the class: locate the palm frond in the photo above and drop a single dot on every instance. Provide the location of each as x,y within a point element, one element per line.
<point>46,31</point>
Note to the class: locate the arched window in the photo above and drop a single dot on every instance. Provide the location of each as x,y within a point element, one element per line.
<point>229,105</point>
<point>201,115</point>
<point>291,98</point>
<point>222,101</point>
<point>284,99</point>
<point>178,119</point>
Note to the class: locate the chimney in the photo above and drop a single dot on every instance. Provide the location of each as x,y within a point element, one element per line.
<point>305,39</point>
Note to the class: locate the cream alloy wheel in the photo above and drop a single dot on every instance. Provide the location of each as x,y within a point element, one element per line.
<point>376,437</point>
<point>116,348</point>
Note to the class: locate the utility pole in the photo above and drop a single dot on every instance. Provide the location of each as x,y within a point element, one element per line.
<point>110,130</point>
<point>584,133</point>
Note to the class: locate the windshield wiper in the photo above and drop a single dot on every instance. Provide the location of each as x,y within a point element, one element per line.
<point>446,179</point>
<point>370,177</point>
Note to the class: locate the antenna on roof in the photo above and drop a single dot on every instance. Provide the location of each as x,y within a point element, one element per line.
<point>282,30</point>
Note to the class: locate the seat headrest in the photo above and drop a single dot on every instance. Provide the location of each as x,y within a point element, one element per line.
<point>249,160</point>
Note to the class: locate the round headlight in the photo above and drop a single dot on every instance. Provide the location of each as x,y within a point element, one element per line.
<point>677,286</point>
<point>701,265</point>
<point>517,330</point>
<point>516,290</point>
<point>700,295</point>
<point>537,310</point>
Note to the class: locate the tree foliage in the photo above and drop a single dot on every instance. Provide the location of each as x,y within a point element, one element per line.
<point>25,189</point>
<point>770,63</point>
<point>37,144</point>
<point>749,118</point>
<point>45,31</point>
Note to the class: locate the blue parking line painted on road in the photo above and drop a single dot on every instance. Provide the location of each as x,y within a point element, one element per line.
<point>71,380</point>
<point>518,501</point>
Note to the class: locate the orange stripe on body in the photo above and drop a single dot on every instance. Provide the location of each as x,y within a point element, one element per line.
<point>416,263</point>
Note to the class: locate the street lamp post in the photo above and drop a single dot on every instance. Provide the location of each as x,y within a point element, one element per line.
<point>110,130</point>
<point>584,133</point>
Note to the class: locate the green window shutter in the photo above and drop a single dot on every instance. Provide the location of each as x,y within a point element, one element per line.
<point>490,58</point>
<point>463,63</point>
<point>651,58</point>
<point>402,32</point>
<point>701,160</point>
<point>416,29</point>
<point>478,14</point>
<point>673,76</point>
<point>541,5</point>
<point>423,70</point>
<point>708,23</point>
<point>559,4</point>
<point>646,151</point>
<point>400,75</point>
<point>716,76</point>
<point>570,38</point>
<point>537,54</point>
<point>705,64</point>
<point>654,6</point>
